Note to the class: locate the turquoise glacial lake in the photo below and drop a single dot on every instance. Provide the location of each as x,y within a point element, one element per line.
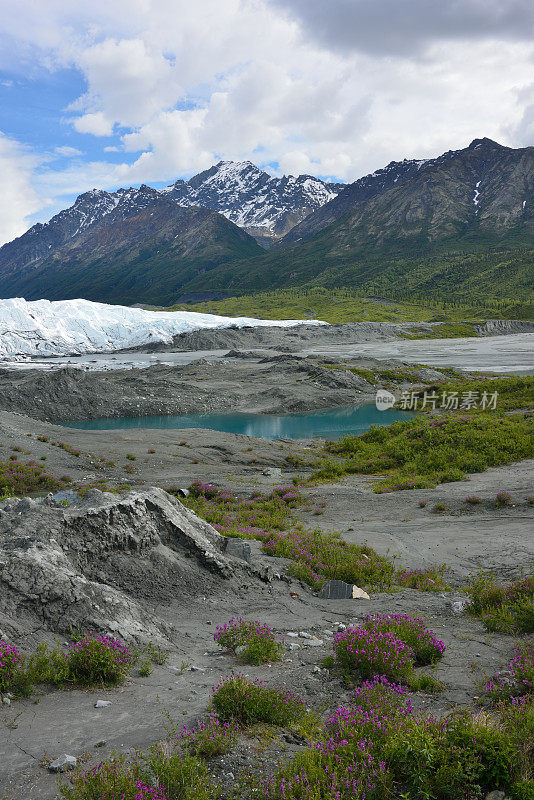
<point>330,424</point>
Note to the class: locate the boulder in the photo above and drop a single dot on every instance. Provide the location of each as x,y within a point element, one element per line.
<point>340,590</point>
<point>63,763</point>
<point>238,548</point>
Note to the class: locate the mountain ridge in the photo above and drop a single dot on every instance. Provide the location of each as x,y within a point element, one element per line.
<point>146,247</point>
<point>461,222</point>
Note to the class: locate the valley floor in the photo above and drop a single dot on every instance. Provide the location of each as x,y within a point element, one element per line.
<point>66,721</point>
<point>38,729</point>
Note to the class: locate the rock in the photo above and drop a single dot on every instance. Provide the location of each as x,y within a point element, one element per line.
<point>25,505</point>
<point>316,670</point>
<point>457,606</point>
<point>183,492</point>
<point>328,632</point>
<point>240,650</point>
<point>359,594</point>
<point>6,701</point>
<point>496,795</point>
<point>341,627</point>
<point>102,703</point>
<point>101,743</point>
<point>63,764</point>
<point>238,548</point>
<point>304,635</point>
<point>314,643</point>
<point>196,669</point>
<point>292,635</point>
<point>292,646</point>
<point>273,472</point>
<point>339,590</point>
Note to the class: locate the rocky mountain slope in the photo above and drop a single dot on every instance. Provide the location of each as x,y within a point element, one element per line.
<point>130,246</point>
<point>485,186</point>
<point>462,223</point>
<point>265,206</point>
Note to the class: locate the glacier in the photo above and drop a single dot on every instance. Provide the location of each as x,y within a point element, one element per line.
<point>74,327</point>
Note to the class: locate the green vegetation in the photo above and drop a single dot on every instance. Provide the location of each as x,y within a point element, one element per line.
<point>421,453</point>
<point>210,738</point>
<point>336,305</point>
<point>92,660</point>
<point>513,393</point>
<point>389,646</point>
<point>503,609</point>
<point>517,681</point>
<point>376,747</point>
<point>470,271</point>
<point>247,702</point>
<point>154,775</point>
<point>252,642</point>
<point>315,556</point>
<point>17,478</point>
<point>425,580</point>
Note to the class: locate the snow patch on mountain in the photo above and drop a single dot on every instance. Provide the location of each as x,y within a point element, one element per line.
<point>74,327</point>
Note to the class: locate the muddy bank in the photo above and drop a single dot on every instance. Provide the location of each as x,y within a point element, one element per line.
<point>504,327</point>
<point>273,384</point>
<point>294,338</point>
<point>156,572</point>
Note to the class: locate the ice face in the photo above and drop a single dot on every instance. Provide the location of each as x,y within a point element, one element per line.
<point>70,327</point>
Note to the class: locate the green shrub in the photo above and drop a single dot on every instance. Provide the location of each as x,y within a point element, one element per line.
<point>317,556</point>
<point>145,668</point>
<point>425,580</point>
<point>503,499</point>
<point>252,642</point>
<point>522,790</point>
<point>518,681</point>
<point>155,775</point>
<point>367,652</point>
<point>18,478</point>
<point>98,659</point>
<point>210,738</point>
<point>421,453</point>
<point>247,702</point>
<point>502,609</point>
<point>427,649</point>
<point>436,761</point>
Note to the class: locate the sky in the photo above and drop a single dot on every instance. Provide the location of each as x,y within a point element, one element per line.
<point>122,92</point>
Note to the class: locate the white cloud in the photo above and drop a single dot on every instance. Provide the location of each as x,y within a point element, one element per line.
<point>183,84</point>
<point>18,198</point>
<point>95,123</point>
<point>67,152</point>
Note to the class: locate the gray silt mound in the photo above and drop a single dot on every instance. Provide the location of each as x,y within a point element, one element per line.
<point>104,561</point>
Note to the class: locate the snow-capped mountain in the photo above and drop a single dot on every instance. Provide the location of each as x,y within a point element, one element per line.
<point>74,327</point>
<point>42,240</point>
<point>265,206</point>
